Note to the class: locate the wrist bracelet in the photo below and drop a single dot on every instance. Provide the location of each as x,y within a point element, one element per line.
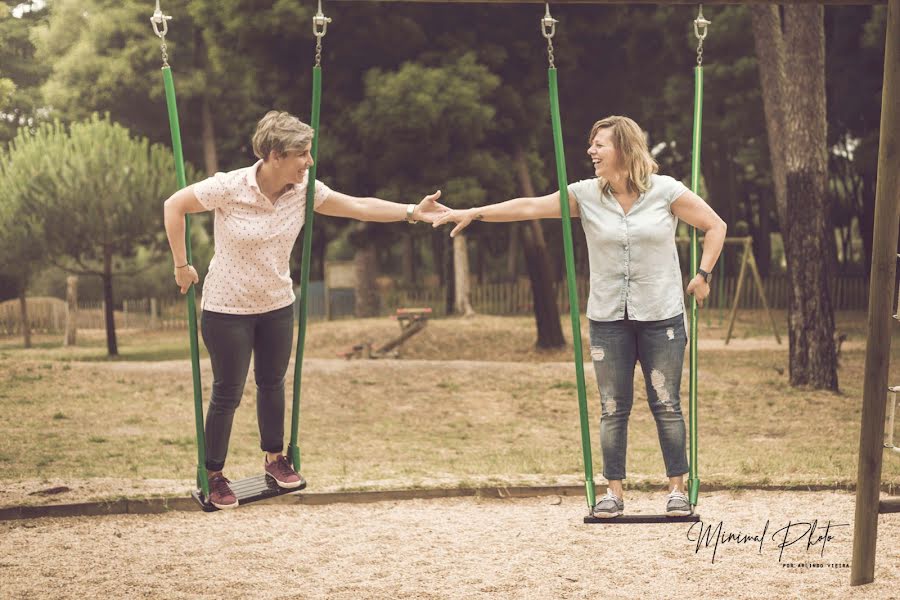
<point>410,210</point>
<point>183,266</point>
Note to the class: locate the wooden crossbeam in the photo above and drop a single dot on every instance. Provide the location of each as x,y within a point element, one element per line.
<point>671,2</point>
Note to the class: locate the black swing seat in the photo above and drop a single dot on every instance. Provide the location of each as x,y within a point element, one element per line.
<point>638,518</point>
<point>251,489</point>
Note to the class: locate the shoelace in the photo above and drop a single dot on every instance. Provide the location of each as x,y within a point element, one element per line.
<point>611,496</point>
<point>281,465</point>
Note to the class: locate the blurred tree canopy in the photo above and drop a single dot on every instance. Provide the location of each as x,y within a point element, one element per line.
<point>424,96</point>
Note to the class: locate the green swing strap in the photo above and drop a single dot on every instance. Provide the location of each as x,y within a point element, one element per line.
<point>161,28</point>
<point>320,25</point>
<point>700,30</point>
<point>548,26</point>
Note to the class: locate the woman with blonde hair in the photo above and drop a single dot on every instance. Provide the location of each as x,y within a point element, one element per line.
<point>636,306</point>
<point>248,297</point>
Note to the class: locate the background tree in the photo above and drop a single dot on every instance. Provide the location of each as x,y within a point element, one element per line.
<point>22,248</point>
<point>792,69</point>
<point>97,193</point>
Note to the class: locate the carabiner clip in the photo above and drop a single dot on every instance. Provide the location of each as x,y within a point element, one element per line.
<point>158,19</point>
<point>701,23</point>
<point>320,21</point>
<point>548,24</point>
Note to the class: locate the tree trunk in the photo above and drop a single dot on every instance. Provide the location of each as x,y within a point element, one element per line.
<point>208,135</point>
<point>512,255</point>
<point>109,308</point>
<point>769,45</point>
<point>537,261</point>
<point>23,313</point>
<point>462,302</point>
<point>794,100</point>
<point>366,296</point>
<point>71,310</point>
<point>207,130</point>
<point>447,257</point>
<point>408,262</point>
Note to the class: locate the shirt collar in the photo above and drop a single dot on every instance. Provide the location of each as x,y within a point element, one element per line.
<point>254,184</point>
<point>251,175</point>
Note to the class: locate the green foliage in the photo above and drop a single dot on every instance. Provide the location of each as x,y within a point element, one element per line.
<point>96,191</point>
<point>21,74</point>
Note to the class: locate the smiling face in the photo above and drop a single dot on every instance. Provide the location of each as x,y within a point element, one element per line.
<point>291,167</point>
<point>606,159</point>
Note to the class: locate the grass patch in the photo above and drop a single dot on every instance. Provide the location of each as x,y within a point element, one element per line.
<point>481,411</point>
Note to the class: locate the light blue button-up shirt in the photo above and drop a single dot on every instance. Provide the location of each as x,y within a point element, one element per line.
<point>633,259</point>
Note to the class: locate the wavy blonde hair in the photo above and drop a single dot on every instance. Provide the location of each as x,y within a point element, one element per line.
<point>282,132</point>
<point>630,142</point>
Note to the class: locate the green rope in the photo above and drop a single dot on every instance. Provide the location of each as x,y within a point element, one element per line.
<point>694,481</point>
<point>202,476</point>
<point>293,449</point>
<point>574,309</point>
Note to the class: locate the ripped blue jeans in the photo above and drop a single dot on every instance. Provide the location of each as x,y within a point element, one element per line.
<point>616,346</point>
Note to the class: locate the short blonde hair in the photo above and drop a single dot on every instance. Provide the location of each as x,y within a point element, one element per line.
<point>630,142</point>
<point>282,132</point>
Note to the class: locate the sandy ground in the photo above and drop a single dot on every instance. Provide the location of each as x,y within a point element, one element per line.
<point>459,548</point>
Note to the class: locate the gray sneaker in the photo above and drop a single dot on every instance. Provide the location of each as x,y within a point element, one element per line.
<point>608,507</point>
<point>677,505</point>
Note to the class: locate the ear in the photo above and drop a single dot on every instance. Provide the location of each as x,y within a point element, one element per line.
<point>274,155</point>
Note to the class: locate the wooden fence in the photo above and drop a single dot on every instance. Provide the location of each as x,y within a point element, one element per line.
<point>48,315</point>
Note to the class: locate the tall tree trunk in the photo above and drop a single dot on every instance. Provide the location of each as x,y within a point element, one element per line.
<point>769,44</point>
<point>207,130</point>
<point>408,259</point>
<point>794,101</point>
<point>462,302</point>
<point>72,310</point>
<point>512,255</point>
<point>111,347</point>
<point>208,135</point>
<point>23,313</point>
<point>537,261</point>
<point>366,296</point>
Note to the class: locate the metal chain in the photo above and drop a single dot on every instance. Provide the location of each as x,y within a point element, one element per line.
<point>160,20</point>
<point>700,30</point>
<point>548,30</point>
<point>320,27</point>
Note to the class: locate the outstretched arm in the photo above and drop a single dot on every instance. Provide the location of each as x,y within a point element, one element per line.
<point>517,209</point>
<point>380,211</point>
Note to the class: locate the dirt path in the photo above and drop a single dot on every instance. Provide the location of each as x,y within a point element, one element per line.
<point>460,548</point>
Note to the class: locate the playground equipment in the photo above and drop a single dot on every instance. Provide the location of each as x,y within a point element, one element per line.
<point>748,261</point>
<point>411,320</point>
<point>881,295</point>
<point>548,29</point>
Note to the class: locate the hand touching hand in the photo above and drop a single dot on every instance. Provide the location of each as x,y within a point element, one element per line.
<point>462,218</point>
<point>429,209</point>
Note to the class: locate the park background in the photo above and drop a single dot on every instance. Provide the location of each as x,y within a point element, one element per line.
<point>419,97</point>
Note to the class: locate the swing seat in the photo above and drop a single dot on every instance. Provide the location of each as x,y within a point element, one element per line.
<point>251,489</point>
<point>638,518</point>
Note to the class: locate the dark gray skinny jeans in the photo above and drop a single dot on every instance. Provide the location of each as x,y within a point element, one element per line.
<point>230,340</point>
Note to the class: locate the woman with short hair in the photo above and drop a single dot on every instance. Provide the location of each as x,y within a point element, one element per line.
<point>248,297</point>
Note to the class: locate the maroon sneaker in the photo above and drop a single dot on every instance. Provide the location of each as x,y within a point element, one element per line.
<point>220,494</point>
<point>283,473</point>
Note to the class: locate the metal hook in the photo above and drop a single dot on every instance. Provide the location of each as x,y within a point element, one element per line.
<point>158,19</point>
<point>320,21</point>
<point>701,23</point>
<point>548,22</point>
